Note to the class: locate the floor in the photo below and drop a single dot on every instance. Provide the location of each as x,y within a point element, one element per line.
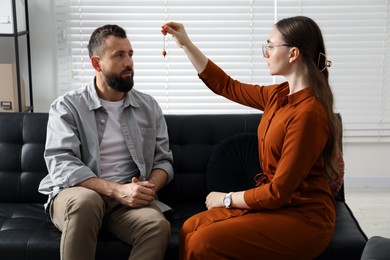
<point>371,207</point>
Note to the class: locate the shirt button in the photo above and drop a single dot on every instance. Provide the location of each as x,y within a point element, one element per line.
<point>102,121</point>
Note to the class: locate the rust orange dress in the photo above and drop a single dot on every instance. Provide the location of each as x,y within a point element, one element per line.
<point>292,213</point>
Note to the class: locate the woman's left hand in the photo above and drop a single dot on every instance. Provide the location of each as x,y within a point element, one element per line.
<point>215,200</point>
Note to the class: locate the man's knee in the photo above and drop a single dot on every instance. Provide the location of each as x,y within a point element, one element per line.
<point>86,200</point>
<point>156,225</point>
<point>80,205</point>
<point>164,226</point>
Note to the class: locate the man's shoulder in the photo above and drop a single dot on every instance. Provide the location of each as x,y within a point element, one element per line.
<point>73,98</point>
<point>74,93</point>
<point>138,93</point>
<point>142,97</point>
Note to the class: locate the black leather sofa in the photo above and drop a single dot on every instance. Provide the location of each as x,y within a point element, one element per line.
<point>27,233</point>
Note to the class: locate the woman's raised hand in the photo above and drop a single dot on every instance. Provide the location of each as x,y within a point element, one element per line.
<point>177,31</point>
<point>179,34</point>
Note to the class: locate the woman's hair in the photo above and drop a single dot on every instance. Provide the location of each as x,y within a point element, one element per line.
<point>303,33</point>
<point>96,42</point>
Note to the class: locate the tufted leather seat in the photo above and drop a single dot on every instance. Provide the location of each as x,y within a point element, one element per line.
<point>27,233</point>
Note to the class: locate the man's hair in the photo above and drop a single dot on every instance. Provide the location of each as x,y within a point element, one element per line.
<point>96,42</point>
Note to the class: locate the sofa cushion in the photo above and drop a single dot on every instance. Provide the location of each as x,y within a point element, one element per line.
<point>234,163</point>
<point>22,166</point>
<point>26,232</point>
<point>348,239</point>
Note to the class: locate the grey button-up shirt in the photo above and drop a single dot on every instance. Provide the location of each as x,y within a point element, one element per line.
<point>75,129</point>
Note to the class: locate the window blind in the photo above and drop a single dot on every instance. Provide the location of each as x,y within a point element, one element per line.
<point>230,32</point>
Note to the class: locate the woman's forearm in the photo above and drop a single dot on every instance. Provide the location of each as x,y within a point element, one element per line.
<point>197,58</point>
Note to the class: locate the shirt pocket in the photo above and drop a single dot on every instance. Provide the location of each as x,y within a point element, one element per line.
<point>148,143</point>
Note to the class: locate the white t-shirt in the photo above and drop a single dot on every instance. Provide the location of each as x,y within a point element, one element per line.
<point>116,162</point>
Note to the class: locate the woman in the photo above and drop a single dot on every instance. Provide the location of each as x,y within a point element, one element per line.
<point>291,213</point>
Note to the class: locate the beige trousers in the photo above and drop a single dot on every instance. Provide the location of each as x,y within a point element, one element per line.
<point>80,213</point>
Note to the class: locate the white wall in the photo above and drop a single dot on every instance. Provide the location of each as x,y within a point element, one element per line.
<point>367,164</point>
<point>43,53</point>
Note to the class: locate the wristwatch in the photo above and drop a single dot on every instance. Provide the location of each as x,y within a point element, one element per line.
<point>227,201</point>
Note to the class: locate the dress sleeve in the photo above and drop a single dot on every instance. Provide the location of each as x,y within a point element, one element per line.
<point>219,82</point>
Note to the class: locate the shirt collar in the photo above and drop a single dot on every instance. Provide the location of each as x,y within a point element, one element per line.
<point>94,101</point>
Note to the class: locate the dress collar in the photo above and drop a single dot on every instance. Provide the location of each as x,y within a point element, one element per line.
<point>284,98</point>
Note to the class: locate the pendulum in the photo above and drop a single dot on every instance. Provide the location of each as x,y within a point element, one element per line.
<point>164,52</point>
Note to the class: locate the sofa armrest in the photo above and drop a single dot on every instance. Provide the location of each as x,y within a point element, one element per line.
<point>377,248</point>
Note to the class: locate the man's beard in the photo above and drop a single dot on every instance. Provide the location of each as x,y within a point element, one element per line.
<point>118,83</point>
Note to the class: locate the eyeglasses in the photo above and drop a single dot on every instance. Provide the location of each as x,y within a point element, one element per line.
<point>267,47</point>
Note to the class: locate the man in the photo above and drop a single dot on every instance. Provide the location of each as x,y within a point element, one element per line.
<point>107,153</point>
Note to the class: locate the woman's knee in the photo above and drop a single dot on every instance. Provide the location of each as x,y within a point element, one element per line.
<point>199,244</point>
<point>189,226</point>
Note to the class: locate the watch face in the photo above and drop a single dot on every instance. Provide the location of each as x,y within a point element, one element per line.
<point>226,201</point>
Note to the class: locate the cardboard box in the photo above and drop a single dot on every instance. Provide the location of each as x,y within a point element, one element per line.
<point>7,17</point>
<point>9,89</point>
